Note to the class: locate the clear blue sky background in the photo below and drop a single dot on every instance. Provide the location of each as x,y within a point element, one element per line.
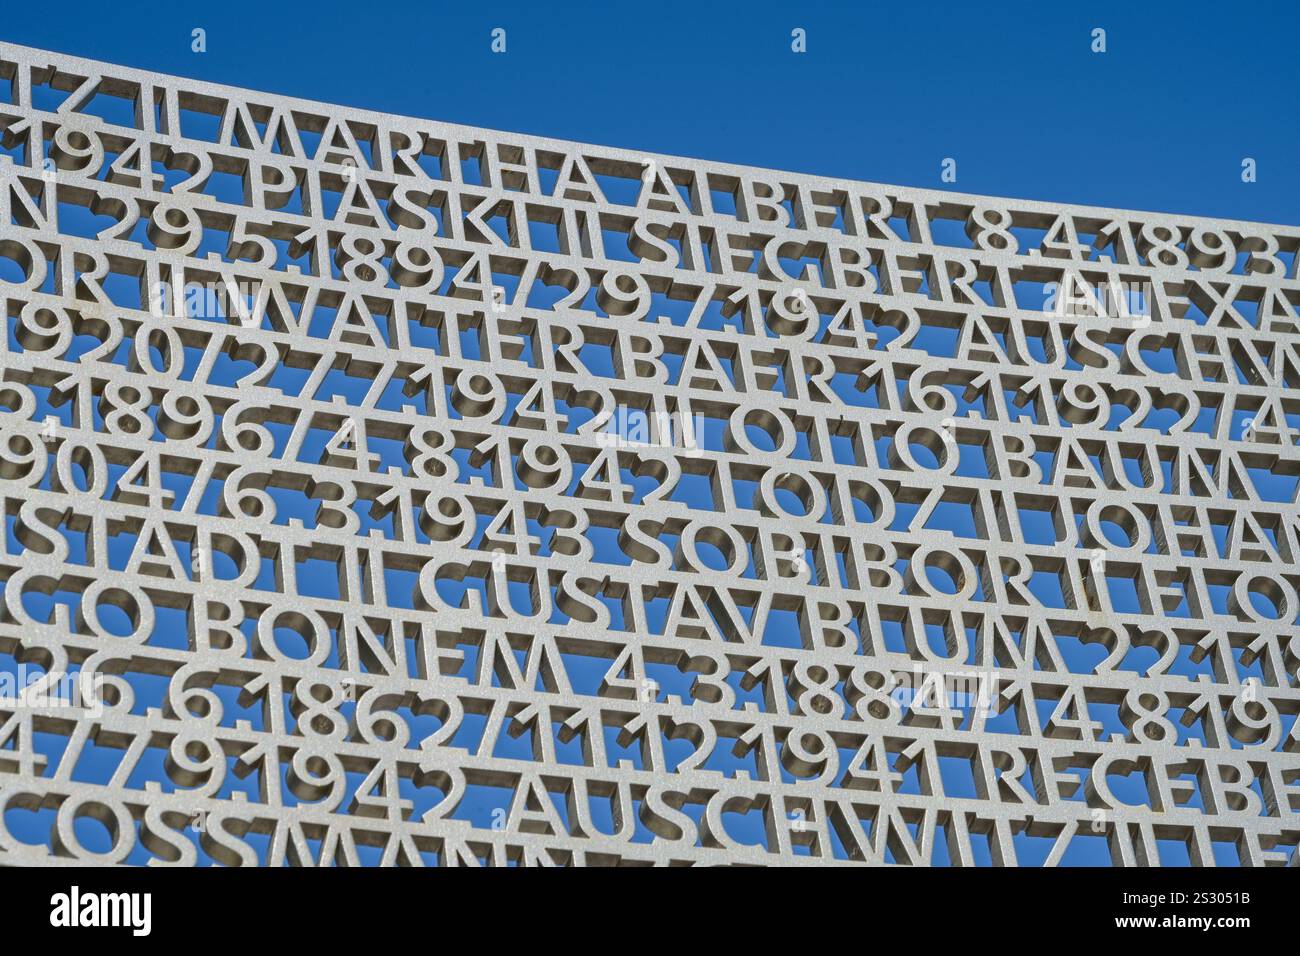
<point>1012,91</point>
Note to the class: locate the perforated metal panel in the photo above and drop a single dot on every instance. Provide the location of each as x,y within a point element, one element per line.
<point>381,490</point>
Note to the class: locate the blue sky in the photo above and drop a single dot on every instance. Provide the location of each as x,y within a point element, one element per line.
<point>1161,120</point>
<point>885,91</point>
